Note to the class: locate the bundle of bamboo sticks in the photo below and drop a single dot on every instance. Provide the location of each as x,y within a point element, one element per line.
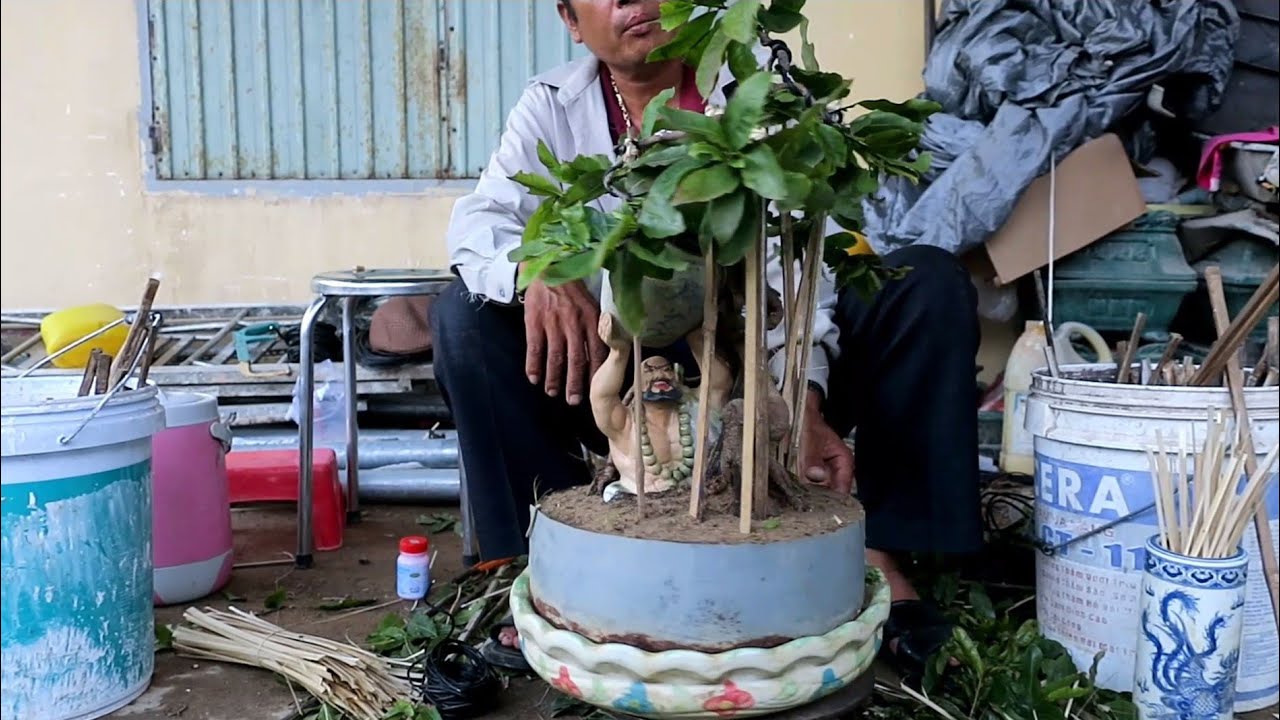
<point>361,684</point>
<point>103,372</point>
<point>1201,508</point>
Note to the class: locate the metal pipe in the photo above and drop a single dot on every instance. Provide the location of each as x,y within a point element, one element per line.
<point>374,452</point>
<point>306,368</point>
<point>410,486</point>
<point>353,426</point>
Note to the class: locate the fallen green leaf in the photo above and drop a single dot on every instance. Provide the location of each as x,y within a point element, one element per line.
<point>164,637</point>
<point>771,524</point>
<point>276,599</point>
<point>346,604</point>
<point>437,523</point>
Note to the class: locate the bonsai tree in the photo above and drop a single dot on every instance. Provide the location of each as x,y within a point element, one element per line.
<point>709,193</point>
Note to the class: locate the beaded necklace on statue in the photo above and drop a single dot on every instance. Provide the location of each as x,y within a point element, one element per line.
<point>675,470</point>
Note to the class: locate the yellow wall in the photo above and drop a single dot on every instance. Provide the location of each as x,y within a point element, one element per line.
<point>78,226</point>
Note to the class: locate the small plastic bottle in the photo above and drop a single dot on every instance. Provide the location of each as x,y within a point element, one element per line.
<point>413,569</point>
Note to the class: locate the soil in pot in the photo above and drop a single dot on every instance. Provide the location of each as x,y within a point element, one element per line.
<point>667,517</point>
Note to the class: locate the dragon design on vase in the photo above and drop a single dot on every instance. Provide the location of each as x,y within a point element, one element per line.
<point>1181,673</point>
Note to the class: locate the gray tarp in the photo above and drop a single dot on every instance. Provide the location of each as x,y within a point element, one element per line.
<point>1019,80</point>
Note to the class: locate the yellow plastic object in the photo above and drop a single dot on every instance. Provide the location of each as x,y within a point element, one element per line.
<point>64,327</point>
<point>860,245</point>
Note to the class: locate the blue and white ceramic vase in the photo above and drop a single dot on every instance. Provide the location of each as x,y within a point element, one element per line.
<point>1192,617</point>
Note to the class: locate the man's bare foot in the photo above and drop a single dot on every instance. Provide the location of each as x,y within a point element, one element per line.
<point>509,636</point>
<point>900,588</point>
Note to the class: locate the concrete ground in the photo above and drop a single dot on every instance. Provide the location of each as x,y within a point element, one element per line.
<point>364,568</point>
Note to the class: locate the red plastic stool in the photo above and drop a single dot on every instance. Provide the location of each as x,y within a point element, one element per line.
<point>272,476</point>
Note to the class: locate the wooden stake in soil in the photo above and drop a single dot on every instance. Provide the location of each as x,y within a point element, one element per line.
<point>1235,384</point>
<point>763,379</point>
<point>637,419</point>
<point>798,391</point>
<point>751,387</point>
<point>710,307</point>
<point>133,341</point>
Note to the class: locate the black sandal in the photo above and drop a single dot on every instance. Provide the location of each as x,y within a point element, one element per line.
<point>920,630</point>
<point>503,656</point>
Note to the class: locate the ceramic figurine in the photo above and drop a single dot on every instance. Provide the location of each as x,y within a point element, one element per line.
<point>667,422</point>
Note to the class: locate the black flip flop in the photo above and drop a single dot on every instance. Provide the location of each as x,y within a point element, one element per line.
<point>502,656</point>
<point>920,630</point>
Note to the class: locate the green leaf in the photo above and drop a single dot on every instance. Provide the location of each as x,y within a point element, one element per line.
<point>739,22</point>
<point>437,522</point>
<point>276,599</point>
<point>981,603</point>
<point>742,62</point>
<point>666,257</point>
<point>538,184</point>
<point>780,18</point>
<point>706,184</point>
<point>626,279</point>
<point>712,61</point>
<point>674,13</point>
<point>771,524</point>
<point>699,126</point>
<point>745,235</point>
<point>547,158</point>
<point>761,173</point>
<point>692,34</point>
<point>825,86</point>
<point>658,102</point>
<point>539,218</point>
<point>577,266</point>
<point>808,57</point>
<point>661,156</point>
<point>164,637</point>
<point>658,217</point>
<point>724,215</point>
<point>915,109</point>
<point>745,110</point>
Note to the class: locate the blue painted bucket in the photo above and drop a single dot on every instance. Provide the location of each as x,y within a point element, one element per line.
<point>75,508</point>
<point>1093,491</point>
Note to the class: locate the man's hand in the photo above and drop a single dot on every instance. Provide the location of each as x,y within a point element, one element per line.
<point>559,328</point>
<point>825,459</point>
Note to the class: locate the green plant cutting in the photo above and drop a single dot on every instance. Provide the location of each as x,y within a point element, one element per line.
<point>785,152</point>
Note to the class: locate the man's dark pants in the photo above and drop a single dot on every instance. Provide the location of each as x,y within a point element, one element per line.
<point>905,379</point>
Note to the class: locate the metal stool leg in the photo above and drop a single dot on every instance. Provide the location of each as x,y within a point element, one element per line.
<point>470,553</point>
<point>353,427</point>
<point>306,429</point>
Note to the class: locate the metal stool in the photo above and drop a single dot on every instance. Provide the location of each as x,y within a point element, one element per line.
<point>347,285</point>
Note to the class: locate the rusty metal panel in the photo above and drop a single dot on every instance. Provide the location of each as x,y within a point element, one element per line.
<point>340,89</point>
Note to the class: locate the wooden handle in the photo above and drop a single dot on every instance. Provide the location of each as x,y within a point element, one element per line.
<point>133,342</point>
<point>1235,384</point>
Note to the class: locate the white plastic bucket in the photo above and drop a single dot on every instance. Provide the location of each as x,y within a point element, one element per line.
<point>75,490</point>
<point>1092,469</point>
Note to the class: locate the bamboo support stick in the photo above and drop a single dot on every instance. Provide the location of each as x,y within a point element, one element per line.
<point>799,391</point>
<point>133,341</point>
<point>1131,349</point>
<point>1235,384</point>
<point>637,421</point>
<point>751,387</point>
<point>710,312</point>
<point>1269,363</point>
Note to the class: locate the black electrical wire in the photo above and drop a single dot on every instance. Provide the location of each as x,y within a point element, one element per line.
<point>456,679</point>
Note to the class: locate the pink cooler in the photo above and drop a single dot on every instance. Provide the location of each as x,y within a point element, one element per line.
<point>191,508</point>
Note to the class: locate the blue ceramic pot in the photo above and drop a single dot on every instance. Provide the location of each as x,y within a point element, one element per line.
<point>1192,617</point>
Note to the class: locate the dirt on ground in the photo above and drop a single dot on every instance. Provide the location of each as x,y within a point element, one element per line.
<point>667,517</point>
<point>364,568</point>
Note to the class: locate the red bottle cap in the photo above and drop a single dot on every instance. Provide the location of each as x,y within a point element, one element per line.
<point>414,545</point>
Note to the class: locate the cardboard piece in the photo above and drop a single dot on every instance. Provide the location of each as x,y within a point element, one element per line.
<point>1097,192</point>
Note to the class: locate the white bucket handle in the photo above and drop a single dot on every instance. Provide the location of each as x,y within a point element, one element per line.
<point>133,367</point>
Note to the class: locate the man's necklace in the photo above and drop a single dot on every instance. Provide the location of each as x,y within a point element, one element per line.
<point>630,147</point>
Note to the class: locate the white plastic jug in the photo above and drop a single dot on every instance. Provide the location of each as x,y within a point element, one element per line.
<point>1016,451</point>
